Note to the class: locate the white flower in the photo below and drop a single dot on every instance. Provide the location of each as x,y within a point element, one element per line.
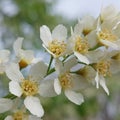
<point>108,34</point>
<point>4,58</point>
<point>68,82</point>
<point>108,13</point>
<point>86,26</point>
<point>80,46</point>
<point>5,104</point>
<point>55,42</point>
<point>24,57</point>
<point>21,114</point>
<point>28,87</point>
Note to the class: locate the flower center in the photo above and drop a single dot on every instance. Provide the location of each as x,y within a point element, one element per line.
<point>23,63</point>
<point>116,57</point>
<point>107,35</point>
<point>103,67</point>
<point>18,115</point>
<point>29,87</point>
<point>57,47</point>
<point>65,80</point>
<point>81,45</point>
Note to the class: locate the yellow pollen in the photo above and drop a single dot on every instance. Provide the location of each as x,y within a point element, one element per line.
<point>23,63</point>
<point>103,67</point>
<point>116,57</point>
<point>107,35</point>
<point>29,87</point>
<point>81,45</point>
<point>86,32</point>
<point>18,115</point>
<point>65,81</point>
<point>57,47</point>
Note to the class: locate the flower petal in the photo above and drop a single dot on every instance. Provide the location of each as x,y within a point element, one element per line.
<point>38,71</point>
<point>82,58</point>
<point>45,35</point>
<point>5,104</point>
<point>59,33</point>
<point>78,28</point>
<point>110,44</point>
<point>18,45</point>
<point>26,55</point>
<point>15,88</point>
<point>34,106</point>
<point>97,78</point>
<point>103,84</point>
<point>57,86</point>
<point>46,88</point>
<point>74,97</point>
<point>92,39</point>
<point>13,72</point>
<point>9,118</point>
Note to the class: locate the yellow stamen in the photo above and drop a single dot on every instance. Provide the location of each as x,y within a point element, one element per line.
<point>18,115</point>
<point>57,48</point>
<point>23,63</point>
<point>81,45</point>
<point>107,35</point>
<point>103,67</point>
<point>29,87</point>
<point>65,80</point>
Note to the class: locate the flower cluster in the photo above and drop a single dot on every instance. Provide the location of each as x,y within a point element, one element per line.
<point>85,58</point>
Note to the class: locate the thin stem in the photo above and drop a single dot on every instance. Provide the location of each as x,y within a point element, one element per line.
<point>51,59</point>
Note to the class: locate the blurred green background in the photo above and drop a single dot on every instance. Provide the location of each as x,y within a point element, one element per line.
<point>23,18</point>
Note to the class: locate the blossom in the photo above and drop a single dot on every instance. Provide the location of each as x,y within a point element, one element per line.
<point>27,87</point>
<point>23,57</point>
<point>21,114</point>
<point>55,42</point>
<point>68,82</point>
<point>80,46</point>
<point>108,35</point>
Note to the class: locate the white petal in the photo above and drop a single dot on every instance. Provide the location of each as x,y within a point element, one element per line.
<point>38,71</point>
<point>18,45</point>
<point>78,82</point>
<point>78,28</point>
<point>97,79</point>
<point>45,35</point>
<point>31,117</point>
<point>4,56</point>
<point>92,39</point>
<point>82,58</point>
<point>34,106</point>
<point>59,66</point>
<point>46,88</point>
<point>95,55</point>
<point>15,88</point>
<point>9,118</point>
<point>59,33</point>
<point>70,63</point>
<point>108,12</point>
<point>13,72</point>
<point>103,84</point>
<point>5,104</point>
<point>74,97</point>
<point>26,55</point>
<point>57,86</point>
<point>49,51</point>
<point>110,44</point>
